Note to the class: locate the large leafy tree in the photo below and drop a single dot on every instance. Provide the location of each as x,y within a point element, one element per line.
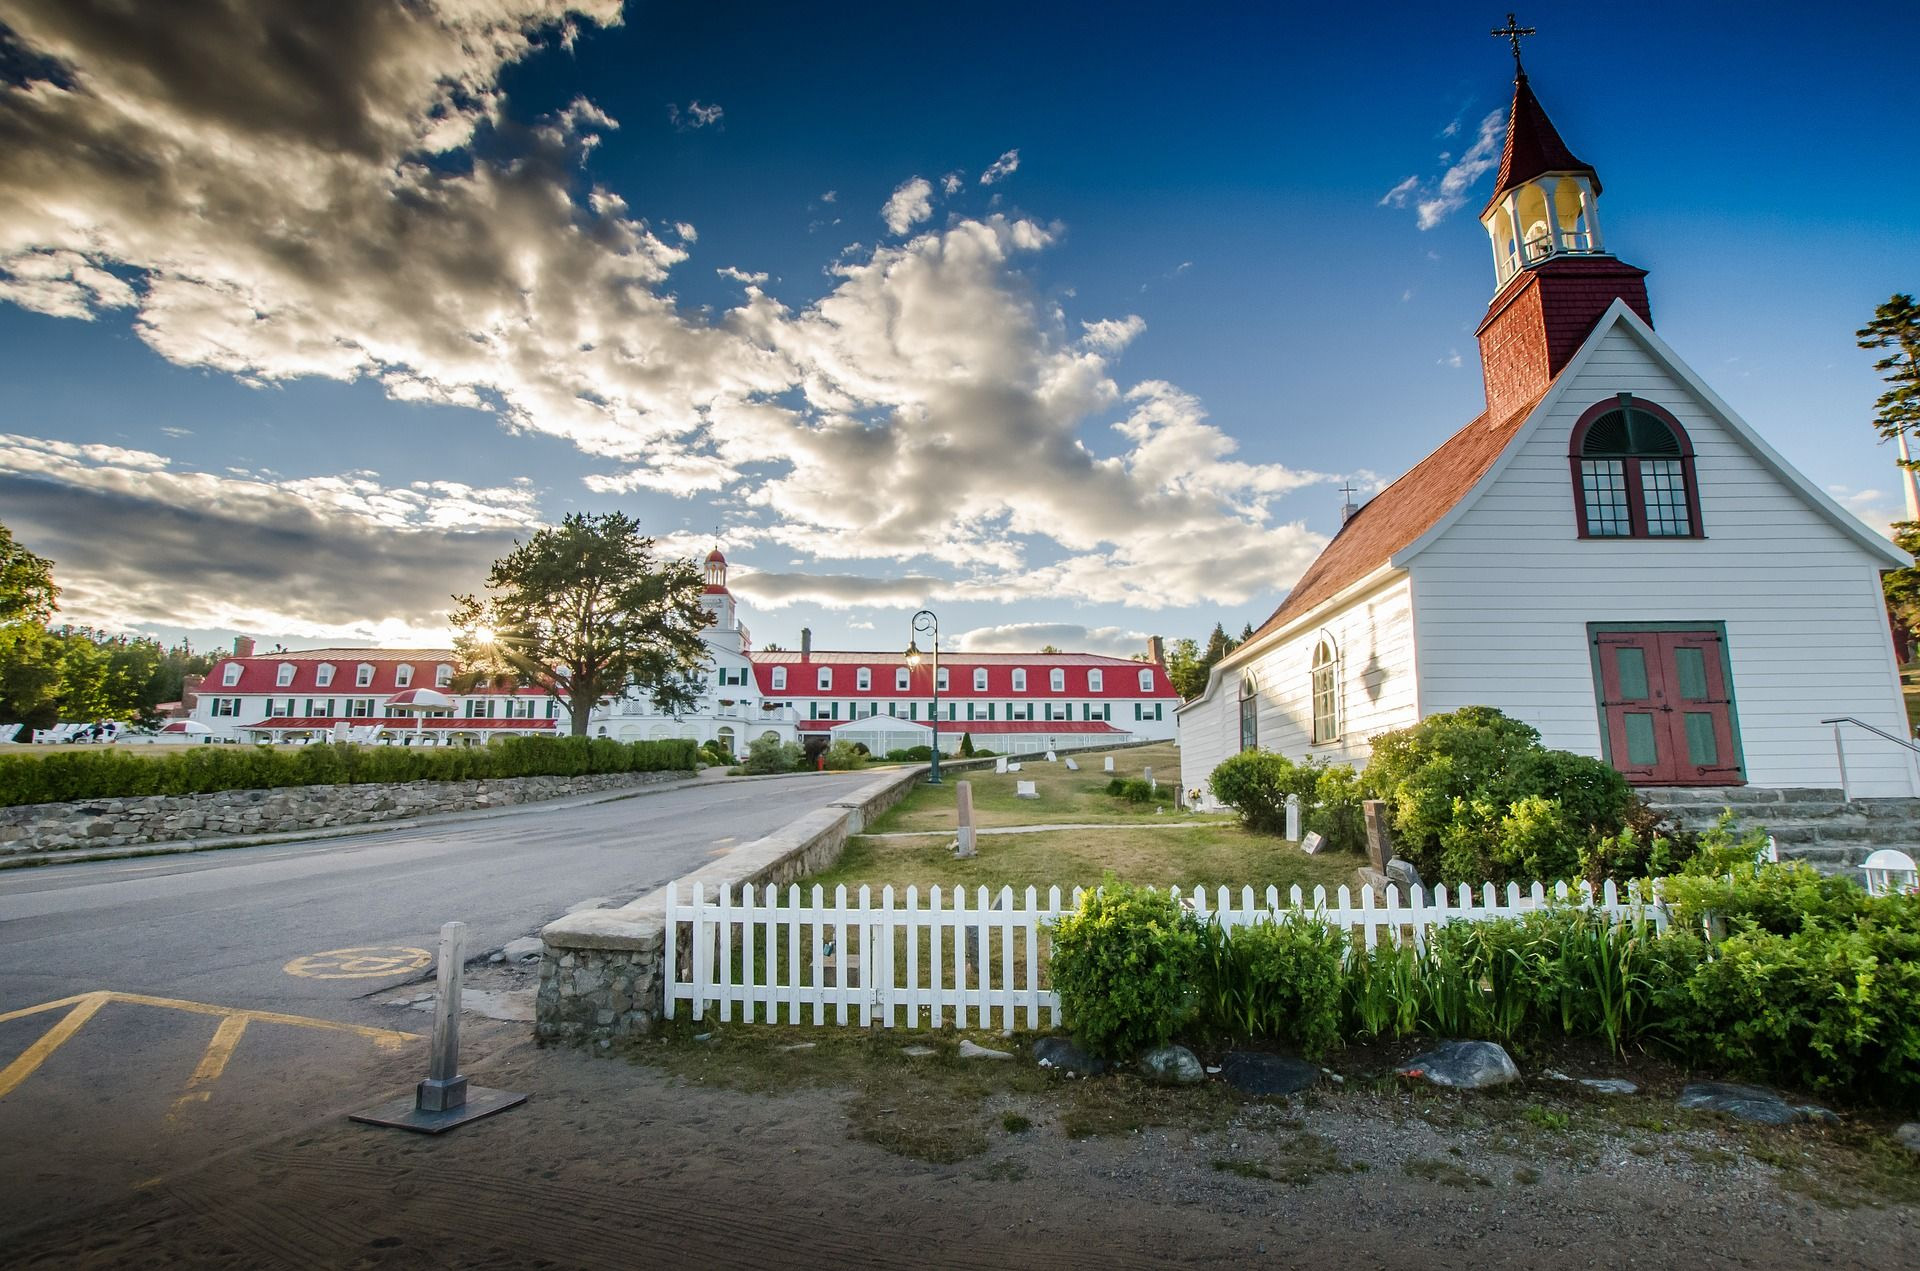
<point>1896,330</point>
<point>27,593</point>
<point>585,610</point>
<point>1184,668</point>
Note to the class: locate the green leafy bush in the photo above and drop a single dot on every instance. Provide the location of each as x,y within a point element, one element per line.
<point>1476,797</point>
<point>1256,783</point>
<point>110,773</point>
<point>912,754</point>
<point>843,756</point>
<point>1274,979</point>
<point>1123,963</point>
<point>768,755</point>
<point>966,746</point>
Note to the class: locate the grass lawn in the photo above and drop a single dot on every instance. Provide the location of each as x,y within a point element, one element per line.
<point>1066,797</point>
<point>1210,855</point>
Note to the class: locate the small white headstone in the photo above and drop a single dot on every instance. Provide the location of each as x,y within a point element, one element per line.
<point>1000,763</point>
<point>1013,767</point>
<point>1071,765</point>
<point>1311,844</point>
<point>1109,764</point>
<point>1050,757</point>
<point>1026,790</point>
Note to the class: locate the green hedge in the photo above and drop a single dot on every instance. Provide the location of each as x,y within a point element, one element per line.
<point>108,773</point>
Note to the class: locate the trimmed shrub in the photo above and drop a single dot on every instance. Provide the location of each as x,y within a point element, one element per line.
<point>767,755</point>
<point>1274,979</point>
<point>966,746</point>
<point>1123,963</point>
<point>108,773</point>
<point>1256,783</point>
<point>844,756</point>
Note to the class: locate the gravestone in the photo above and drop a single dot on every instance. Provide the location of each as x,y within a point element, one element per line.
<point>963,802</point>
<point>1293,818</point>
<point>1151,783</point>
<point>1026,790</point>
<point>1050,757</point>
<point>1312,844</point>
<point>1071,765</point>
<point>1013,767</point>
<point>1000,764</point>
<point>1379,833</point>
<point>1109,764</point>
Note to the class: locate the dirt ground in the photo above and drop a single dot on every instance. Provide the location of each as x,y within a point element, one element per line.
<point>769,1147</point>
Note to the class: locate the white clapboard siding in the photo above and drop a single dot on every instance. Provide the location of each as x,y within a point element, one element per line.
<point>978,959</point>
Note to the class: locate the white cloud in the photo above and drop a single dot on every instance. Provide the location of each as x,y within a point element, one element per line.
<point>1878,508</point>
<point>1434,202</point>
<point>831,196</point>
<point>1002,168</point>
<point>694,116</point>
<point>1030,637</point>
<point>687,233</point>
<point>1452,359</point>
<point>932,411</point>
<point>950,184</point>
<point>910,203</point>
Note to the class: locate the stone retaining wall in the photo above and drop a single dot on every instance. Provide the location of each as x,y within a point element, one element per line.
<point>41,827</point>
<point>601,969</point>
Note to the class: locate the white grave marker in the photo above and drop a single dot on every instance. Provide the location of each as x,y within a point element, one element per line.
<point>1109,764</point>
<point>1050,757</point>
<point>1000,763</point>
<point>1071,765</point>
<point>1311,844</point>
<point>1026,790</point>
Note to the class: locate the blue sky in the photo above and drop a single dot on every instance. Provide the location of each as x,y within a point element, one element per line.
<point>297,353</point>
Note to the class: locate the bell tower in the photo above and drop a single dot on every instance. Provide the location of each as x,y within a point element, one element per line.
<point>1553,275</point>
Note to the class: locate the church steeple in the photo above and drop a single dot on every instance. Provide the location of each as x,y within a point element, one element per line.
<point>1554,277</point>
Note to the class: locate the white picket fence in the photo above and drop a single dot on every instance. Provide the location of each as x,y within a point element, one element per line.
<point>943,958</point>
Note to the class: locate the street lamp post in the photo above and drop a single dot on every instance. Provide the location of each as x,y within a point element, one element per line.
<point>925,623</point>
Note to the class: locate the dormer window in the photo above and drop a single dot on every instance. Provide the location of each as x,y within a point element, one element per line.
<point>403,675</point>
<point>1633,473</point>
<point>284,676</point>
<point>779,679</point>
<point>825,681</point>
<point>1095,682</point>
<point>442,675</point>
<point>323,676</point>
<point>902,679</point>
<point>231,676</point>
<point>1019,679</point>
<point>863,679</point>
<point>1146,681</point>
<point>363,675</point>
<point>1056,680</point>
<point>979,679</point>
<point>944,680</point>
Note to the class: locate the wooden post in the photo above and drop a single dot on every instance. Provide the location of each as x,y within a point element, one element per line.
<point>963,801</point>
<point>445,1089</point>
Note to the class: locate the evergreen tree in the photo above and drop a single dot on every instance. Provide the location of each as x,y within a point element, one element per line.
<point>1896,327</point>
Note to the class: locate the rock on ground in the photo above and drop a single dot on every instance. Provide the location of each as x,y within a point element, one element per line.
<point>970,1051</point>
<point>1750,1103</point>
<point>1463,1065</point>
<point>1062,1053</point>
<point>1255,1072</point>
<point>522,949</point>
<point>1908,1136</point>
<point>1172,1066</point>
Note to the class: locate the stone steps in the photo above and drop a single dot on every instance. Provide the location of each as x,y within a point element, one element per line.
<point>1807,823</point>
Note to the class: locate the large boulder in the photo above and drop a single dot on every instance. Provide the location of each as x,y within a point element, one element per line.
<point>1062,1053</point>
<point>1750,1103</point>
<point>1172,1066</point>
<point>1908,1136</point>
<point>1463,1066</point>
<point>1256,1072</point>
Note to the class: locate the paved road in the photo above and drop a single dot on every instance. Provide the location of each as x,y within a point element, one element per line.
<point>187,1038</point>
<point>221,926</point>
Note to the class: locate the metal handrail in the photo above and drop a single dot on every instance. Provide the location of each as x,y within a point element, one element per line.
<point>1840,748</point>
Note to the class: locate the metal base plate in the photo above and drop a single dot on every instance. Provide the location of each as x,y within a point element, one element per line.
<point>401,1114</point>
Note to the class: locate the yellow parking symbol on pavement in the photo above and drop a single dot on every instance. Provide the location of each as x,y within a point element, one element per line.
<point>366,963</point>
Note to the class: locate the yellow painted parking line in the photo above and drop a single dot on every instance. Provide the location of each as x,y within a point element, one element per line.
<point>212,1064</point>
<point>233,1024</point>
<point>54,1038</point>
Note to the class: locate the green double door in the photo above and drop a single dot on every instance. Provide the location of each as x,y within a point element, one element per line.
<point>1667,706</point>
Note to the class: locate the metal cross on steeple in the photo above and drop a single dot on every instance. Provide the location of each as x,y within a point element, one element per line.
<point>1513,31</point>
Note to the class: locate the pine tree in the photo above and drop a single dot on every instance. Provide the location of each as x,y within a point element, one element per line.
<point>1896,327</point>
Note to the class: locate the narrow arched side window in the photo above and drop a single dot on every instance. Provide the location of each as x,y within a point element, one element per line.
<point>1633,473</point>
<point>1249,711</point>
<point>1326,692</point>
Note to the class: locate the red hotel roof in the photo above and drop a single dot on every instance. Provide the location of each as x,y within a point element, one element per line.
<point>978,727</point>
<point>259,673</point>
<point>1120,677</point>
<point>397,723</point>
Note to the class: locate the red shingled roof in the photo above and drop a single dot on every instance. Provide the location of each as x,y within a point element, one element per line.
<point>1400,513</point>
<point>261,672</point>
<point>1119,677</point>
<point>1533,147</point>
<point>398,724</point>
<point>979,727</point>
